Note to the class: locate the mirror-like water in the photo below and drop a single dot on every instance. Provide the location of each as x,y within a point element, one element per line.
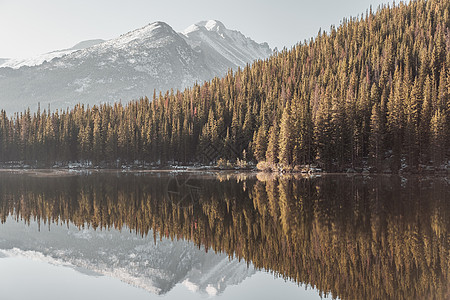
<point>190,235</point>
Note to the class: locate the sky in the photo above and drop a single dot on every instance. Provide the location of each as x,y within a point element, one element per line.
<point>30,27</point>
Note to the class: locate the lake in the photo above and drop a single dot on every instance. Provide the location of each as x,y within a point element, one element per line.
<point>192,235</point>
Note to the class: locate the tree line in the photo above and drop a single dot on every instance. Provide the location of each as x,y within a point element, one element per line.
<point>373,91</point>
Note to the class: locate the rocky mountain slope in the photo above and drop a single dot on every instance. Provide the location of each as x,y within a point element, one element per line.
<point>154,57</point>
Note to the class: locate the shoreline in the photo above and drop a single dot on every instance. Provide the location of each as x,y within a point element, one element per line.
<point>249,167</point>
<point>66,172</point>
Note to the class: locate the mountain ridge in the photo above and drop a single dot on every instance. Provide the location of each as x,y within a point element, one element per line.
<point>134,65</point>
<point>16,63</point>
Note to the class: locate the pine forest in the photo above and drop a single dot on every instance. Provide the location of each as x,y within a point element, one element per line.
<point>371,93</point>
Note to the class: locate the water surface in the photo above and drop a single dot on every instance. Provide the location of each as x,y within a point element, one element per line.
<point>229,236</point>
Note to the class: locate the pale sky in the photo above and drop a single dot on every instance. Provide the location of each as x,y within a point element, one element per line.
<point>31,27</point>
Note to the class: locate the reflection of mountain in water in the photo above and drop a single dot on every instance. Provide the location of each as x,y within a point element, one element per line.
<point>381,237</point>
<point>156,266</point>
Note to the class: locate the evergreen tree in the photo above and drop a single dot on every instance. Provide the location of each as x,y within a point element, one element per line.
<point>272,147</point>
<point>376,134</point>
<point>438,142</point>
<point>285,142</point>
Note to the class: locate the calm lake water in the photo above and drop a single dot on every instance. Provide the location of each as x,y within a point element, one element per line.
<point>114,235</point>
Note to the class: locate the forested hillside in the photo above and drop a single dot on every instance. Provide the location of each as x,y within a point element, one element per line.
<point>373,91</point>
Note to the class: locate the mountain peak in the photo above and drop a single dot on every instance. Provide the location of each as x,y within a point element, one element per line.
<point>158,25</point>
<point>210,25</point>
<point>214,25</point>
<point>158,33</point>
<point>155,28</point>
<point>214,40</point>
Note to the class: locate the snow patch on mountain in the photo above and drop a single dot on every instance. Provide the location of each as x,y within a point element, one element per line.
<point>86,44</point>
<point>16,63</point>
<point>212,35</point>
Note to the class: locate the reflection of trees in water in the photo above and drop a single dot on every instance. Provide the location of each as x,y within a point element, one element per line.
<point>380,238</point>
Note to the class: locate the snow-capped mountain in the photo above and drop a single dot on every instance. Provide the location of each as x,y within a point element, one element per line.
<point>131,66</point>
<point>222,47</point>
<point>156,266</point>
